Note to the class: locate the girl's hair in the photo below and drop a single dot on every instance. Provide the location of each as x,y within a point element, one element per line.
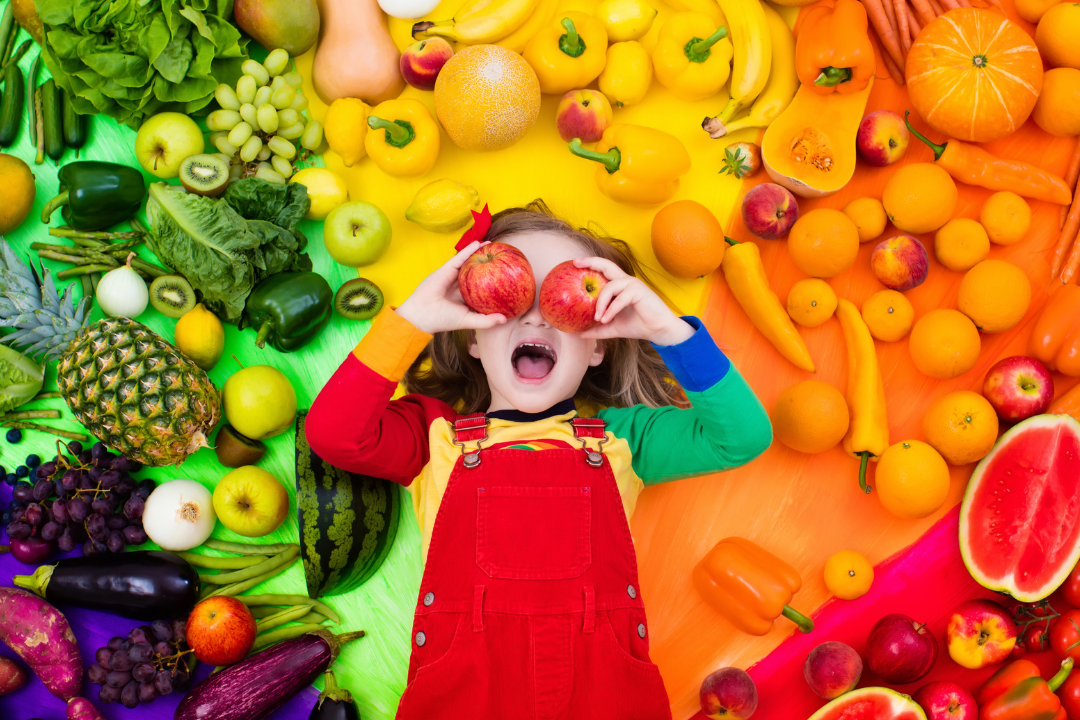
<point>631,372</point>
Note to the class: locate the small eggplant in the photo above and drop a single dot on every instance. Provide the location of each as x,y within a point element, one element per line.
<point>335,703</point>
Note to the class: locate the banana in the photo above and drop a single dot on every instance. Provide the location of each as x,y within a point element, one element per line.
<point>492,23</point>
<point>518,39</point>
<point>470,8</point>
<point>753,52</point>
<point>778,91</point>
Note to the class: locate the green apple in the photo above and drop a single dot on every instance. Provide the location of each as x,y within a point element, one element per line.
<point>259,402</point>
<point>250,501</point>
<point>356,233</point>
<point>165,141</point>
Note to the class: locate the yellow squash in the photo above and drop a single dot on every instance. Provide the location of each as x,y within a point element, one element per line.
<point>868,433</point>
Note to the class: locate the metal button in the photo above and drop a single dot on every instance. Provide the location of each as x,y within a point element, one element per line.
<point>640,631</point>
<point>631,592</point>
<point>421,638</point>
<point>428,599</point>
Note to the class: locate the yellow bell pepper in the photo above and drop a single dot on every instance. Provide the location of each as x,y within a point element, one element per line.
<point>409,142</point>
<point>692,56</point>
<point>627,75</point>
<point>868,433</point>
<point>568,53</point>
<point>638,165</point>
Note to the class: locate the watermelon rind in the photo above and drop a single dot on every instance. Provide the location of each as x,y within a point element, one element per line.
<point>900,706</point>
<point>1003,585</point>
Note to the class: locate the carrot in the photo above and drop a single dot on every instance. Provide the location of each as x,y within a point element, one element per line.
<point>949,5</point>
<point>897,76</point>
<point>903,30</point>
<point>963,3</point>
<point>1071,176</point>
<point>1067,237</point>
<point>936,7</point>
<point>1072,264</point>
<point>886,32</point>
<point>925,12</point>
<point>914,22</point>
<point>890,12</point>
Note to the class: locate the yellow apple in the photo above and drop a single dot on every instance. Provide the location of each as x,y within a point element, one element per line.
<point>250,501</point>
<point>259,402</point>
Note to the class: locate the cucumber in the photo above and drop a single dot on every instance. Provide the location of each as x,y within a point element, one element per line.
<point>50,108</point>
<point>74,124</point>
<point>30,112</point>
<point>12,104</point>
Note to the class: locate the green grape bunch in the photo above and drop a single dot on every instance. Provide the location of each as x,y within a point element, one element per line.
<point>262,119</point>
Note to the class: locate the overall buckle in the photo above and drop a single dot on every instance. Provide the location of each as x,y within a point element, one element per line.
<point>468,428</point>
<point>591,428</point>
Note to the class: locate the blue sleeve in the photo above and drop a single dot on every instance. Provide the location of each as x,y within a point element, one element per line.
<point>697,363</point>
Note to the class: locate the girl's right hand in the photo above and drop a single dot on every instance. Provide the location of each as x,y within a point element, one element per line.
<point>436,305</point>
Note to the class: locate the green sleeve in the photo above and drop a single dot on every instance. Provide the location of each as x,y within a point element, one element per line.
<point>726,427</point>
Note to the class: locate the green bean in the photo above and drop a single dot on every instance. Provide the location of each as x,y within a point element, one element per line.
<point>251,571</point>
<point>256,600</point>
<point>261,611</point>
<point>285,633</point>
<point>285,616</point>
<point>221,563</point>
<point>248,548</point>
<point>312,617</point>
<point>238,587</point>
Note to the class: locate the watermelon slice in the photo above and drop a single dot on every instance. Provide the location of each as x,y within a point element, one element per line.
<point>1020,519</point>
<point>871,703</point>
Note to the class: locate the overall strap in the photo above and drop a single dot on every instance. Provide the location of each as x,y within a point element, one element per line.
<point>591,428</point>
<point>466,429</point>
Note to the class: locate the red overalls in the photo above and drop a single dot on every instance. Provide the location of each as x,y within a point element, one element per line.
<point>530,608</point>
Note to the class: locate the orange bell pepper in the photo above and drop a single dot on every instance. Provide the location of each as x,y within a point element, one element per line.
<point>749,586</point>
<point>1012,693</point>
<point>1055,339</point>
<point>834,52</point>
<point>1068,404</point>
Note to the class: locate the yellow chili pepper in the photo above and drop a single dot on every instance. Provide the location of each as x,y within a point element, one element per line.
<point>568,53</point>
<point>692,56</point>
<point>745,276</point>
<point>638,165</point>
<point>409,142</point>
<point>868,433</point>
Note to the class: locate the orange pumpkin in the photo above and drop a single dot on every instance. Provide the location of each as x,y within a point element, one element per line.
<point>974,75</point>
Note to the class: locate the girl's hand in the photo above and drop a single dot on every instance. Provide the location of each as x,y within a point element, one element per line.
<point>436,306</point>
<point>627,307</point>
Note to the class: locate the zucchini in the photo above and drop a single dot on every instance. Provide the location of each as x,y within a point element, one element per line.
<point>348,522</point>
<point>50,108</point>
<point>11,105</point>
<point>74,124</point>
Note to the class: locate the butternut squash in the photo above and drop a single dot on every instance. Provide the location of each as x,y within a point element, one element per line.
<point>356,56</point>
<point>810,148</point>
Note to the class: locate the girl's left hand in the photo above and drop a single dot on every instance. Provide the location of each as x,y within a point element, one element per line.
<point>627,307</point>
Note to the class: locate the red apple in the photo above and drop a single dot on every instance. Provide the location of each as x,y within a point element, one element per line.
<point>421,62</point>
<point>220,630</point>
<point>900,262</point>
<point>946,701</point>
<point>832,669</point>
<point>583,114</point>
<point>497,278</point>
<point>728,693</point>
<point>568,297</point>
<point>900,650</point>
<point>980,633</point>
<point>1019,387</point>
<point>769,211</point>
<point>883,138</point>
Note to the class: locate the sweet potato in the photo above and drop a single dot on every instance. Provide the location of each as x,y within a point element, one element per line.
<point>81,709</point>
<point>12,676</point>
<point>41,636</point>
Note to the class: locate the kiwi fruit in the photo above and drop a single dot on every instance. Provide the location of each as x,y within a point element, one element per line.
<point>172,295</point>
<point>206,175</point>
<point>358,299</point>
<point>235,450</point>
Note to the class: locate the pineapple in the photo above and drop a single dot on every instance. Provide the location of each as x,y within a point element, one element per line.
<point>135,392</point>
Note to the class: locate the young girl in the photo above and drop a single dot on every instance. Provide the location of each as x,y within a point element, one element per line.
<point>530,606</point>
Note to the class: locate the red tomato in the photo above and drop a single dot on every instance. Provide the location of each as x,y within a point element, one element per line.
<point>1037,637</point>
<point>1065,635</point>
<point>1071,589</point>
<point>1070,696</point>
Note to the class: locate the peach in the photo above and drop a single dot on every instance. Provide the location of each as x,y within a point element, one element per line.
<point>900,262</point>
<point>728,693</point>
<point>769,211</point>
<point>583,114</point>
<point>883,138</point>
<point>832,669</point>
<point>421,62</point>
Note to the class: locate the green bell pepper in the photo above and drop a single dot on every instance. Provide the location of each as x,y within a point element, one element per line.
<point>96,195</point>
<point>289,309</point>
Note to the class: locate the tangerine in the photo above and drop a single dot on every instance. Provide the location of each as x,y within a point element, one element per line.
<point>962,426</point>
<point>919,198</point>
<point>912,479</point>
<point>961,244</point>
<point>1006,216</point>
<point>848,575</point>
<point>810,416</point>
<point>1057,111</point>
<point>944,343</point>
<point>868,214</point>
<point>995,294</point>
<point>687,239</point>
<point>811,302</point>
<point>1056,35</point>
<point>823,242</point>
<point>888,315</point>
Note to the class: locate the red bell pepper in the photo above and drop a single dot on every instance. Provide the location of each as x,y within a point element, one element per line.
<point>1017,692</point>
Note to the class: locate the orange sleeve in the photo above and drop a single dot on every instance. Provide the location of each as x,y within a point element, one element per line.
<point>391,345</point>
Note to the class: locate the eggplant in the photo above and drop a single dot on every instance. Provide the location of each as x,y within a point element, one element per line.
<point>255,687</point>
<point>335,703</point>
<point>144,585</point>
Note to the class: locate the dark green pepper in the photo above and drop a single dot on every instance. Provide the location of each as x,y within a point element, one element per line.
<point>289,309</point>
<point>96,195</point>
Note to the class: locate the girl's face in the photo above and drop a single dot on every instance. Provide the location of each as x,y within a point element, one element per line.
<point>530,365</point>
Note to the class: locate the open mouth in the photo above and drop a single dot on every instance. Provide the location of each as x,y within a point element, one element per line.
<point>532,360</point>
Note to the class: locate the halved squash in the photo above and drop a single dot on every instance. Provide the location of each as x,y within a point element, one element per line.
<point>810,148</point>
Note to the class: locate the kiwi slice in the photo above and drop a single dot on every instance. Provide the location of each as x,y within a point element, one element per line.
<point>235,450</point>
<point>358,299</point>
<point>172,295</point>
<point>204,175</point>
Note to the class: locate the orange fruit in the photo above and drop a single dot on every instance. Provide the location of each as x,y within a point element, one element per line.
<point>848,575</point>
<point>1057,111</point>
<point>919,198</point>
<point>1032,10</point>
<point>912,479</point>
<point>1057,35</point>
<point>687,239</point>
<point>823,242</point>
<point>487,97</point>
<point>1006,216</point>
<point>995,294</point>
<point>944,344</point>
<point>811,302</point>
<point>961,244</point>
<point>962,426</point>
<point>810,416</point>
<point>888,315</point>
<point>868,214</point>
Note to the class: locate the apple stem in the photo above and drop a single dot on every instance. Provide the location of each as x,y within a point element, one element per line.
<point>698,50</point>
<point>264,332</point>
<point>1062,675</point>
<point>938,149</point>
<point>611,159</point>
<point>863,461</point>
<point>805,624</point>
<point>571,43</point>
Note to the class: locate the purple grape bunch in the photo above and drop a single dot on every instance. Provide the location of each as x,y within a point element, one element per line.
<point>152,661</point>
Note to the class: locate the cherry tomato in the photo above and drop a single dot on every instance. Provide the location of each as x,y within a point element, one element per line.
<point>1070,697</point>
<point>1036,637</point>
<point>1071,589</point>
<point>1065,635</point>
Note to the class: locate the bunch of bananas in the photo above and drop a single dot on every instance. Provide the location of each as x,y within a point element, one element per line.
<point>509,23</point>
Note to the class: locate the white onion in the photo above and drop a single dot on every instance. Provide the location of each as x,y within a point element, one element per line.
<point>179,515</point>
<point>122,293</point>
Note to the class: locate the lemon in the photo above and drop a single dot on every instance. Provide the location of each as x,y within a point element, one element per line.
<point>19,191</point>
<point>625,19</point>
<point>200,336</point>
<point>325,189</point>
<point>443,206</point>
<point>345,127</point>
